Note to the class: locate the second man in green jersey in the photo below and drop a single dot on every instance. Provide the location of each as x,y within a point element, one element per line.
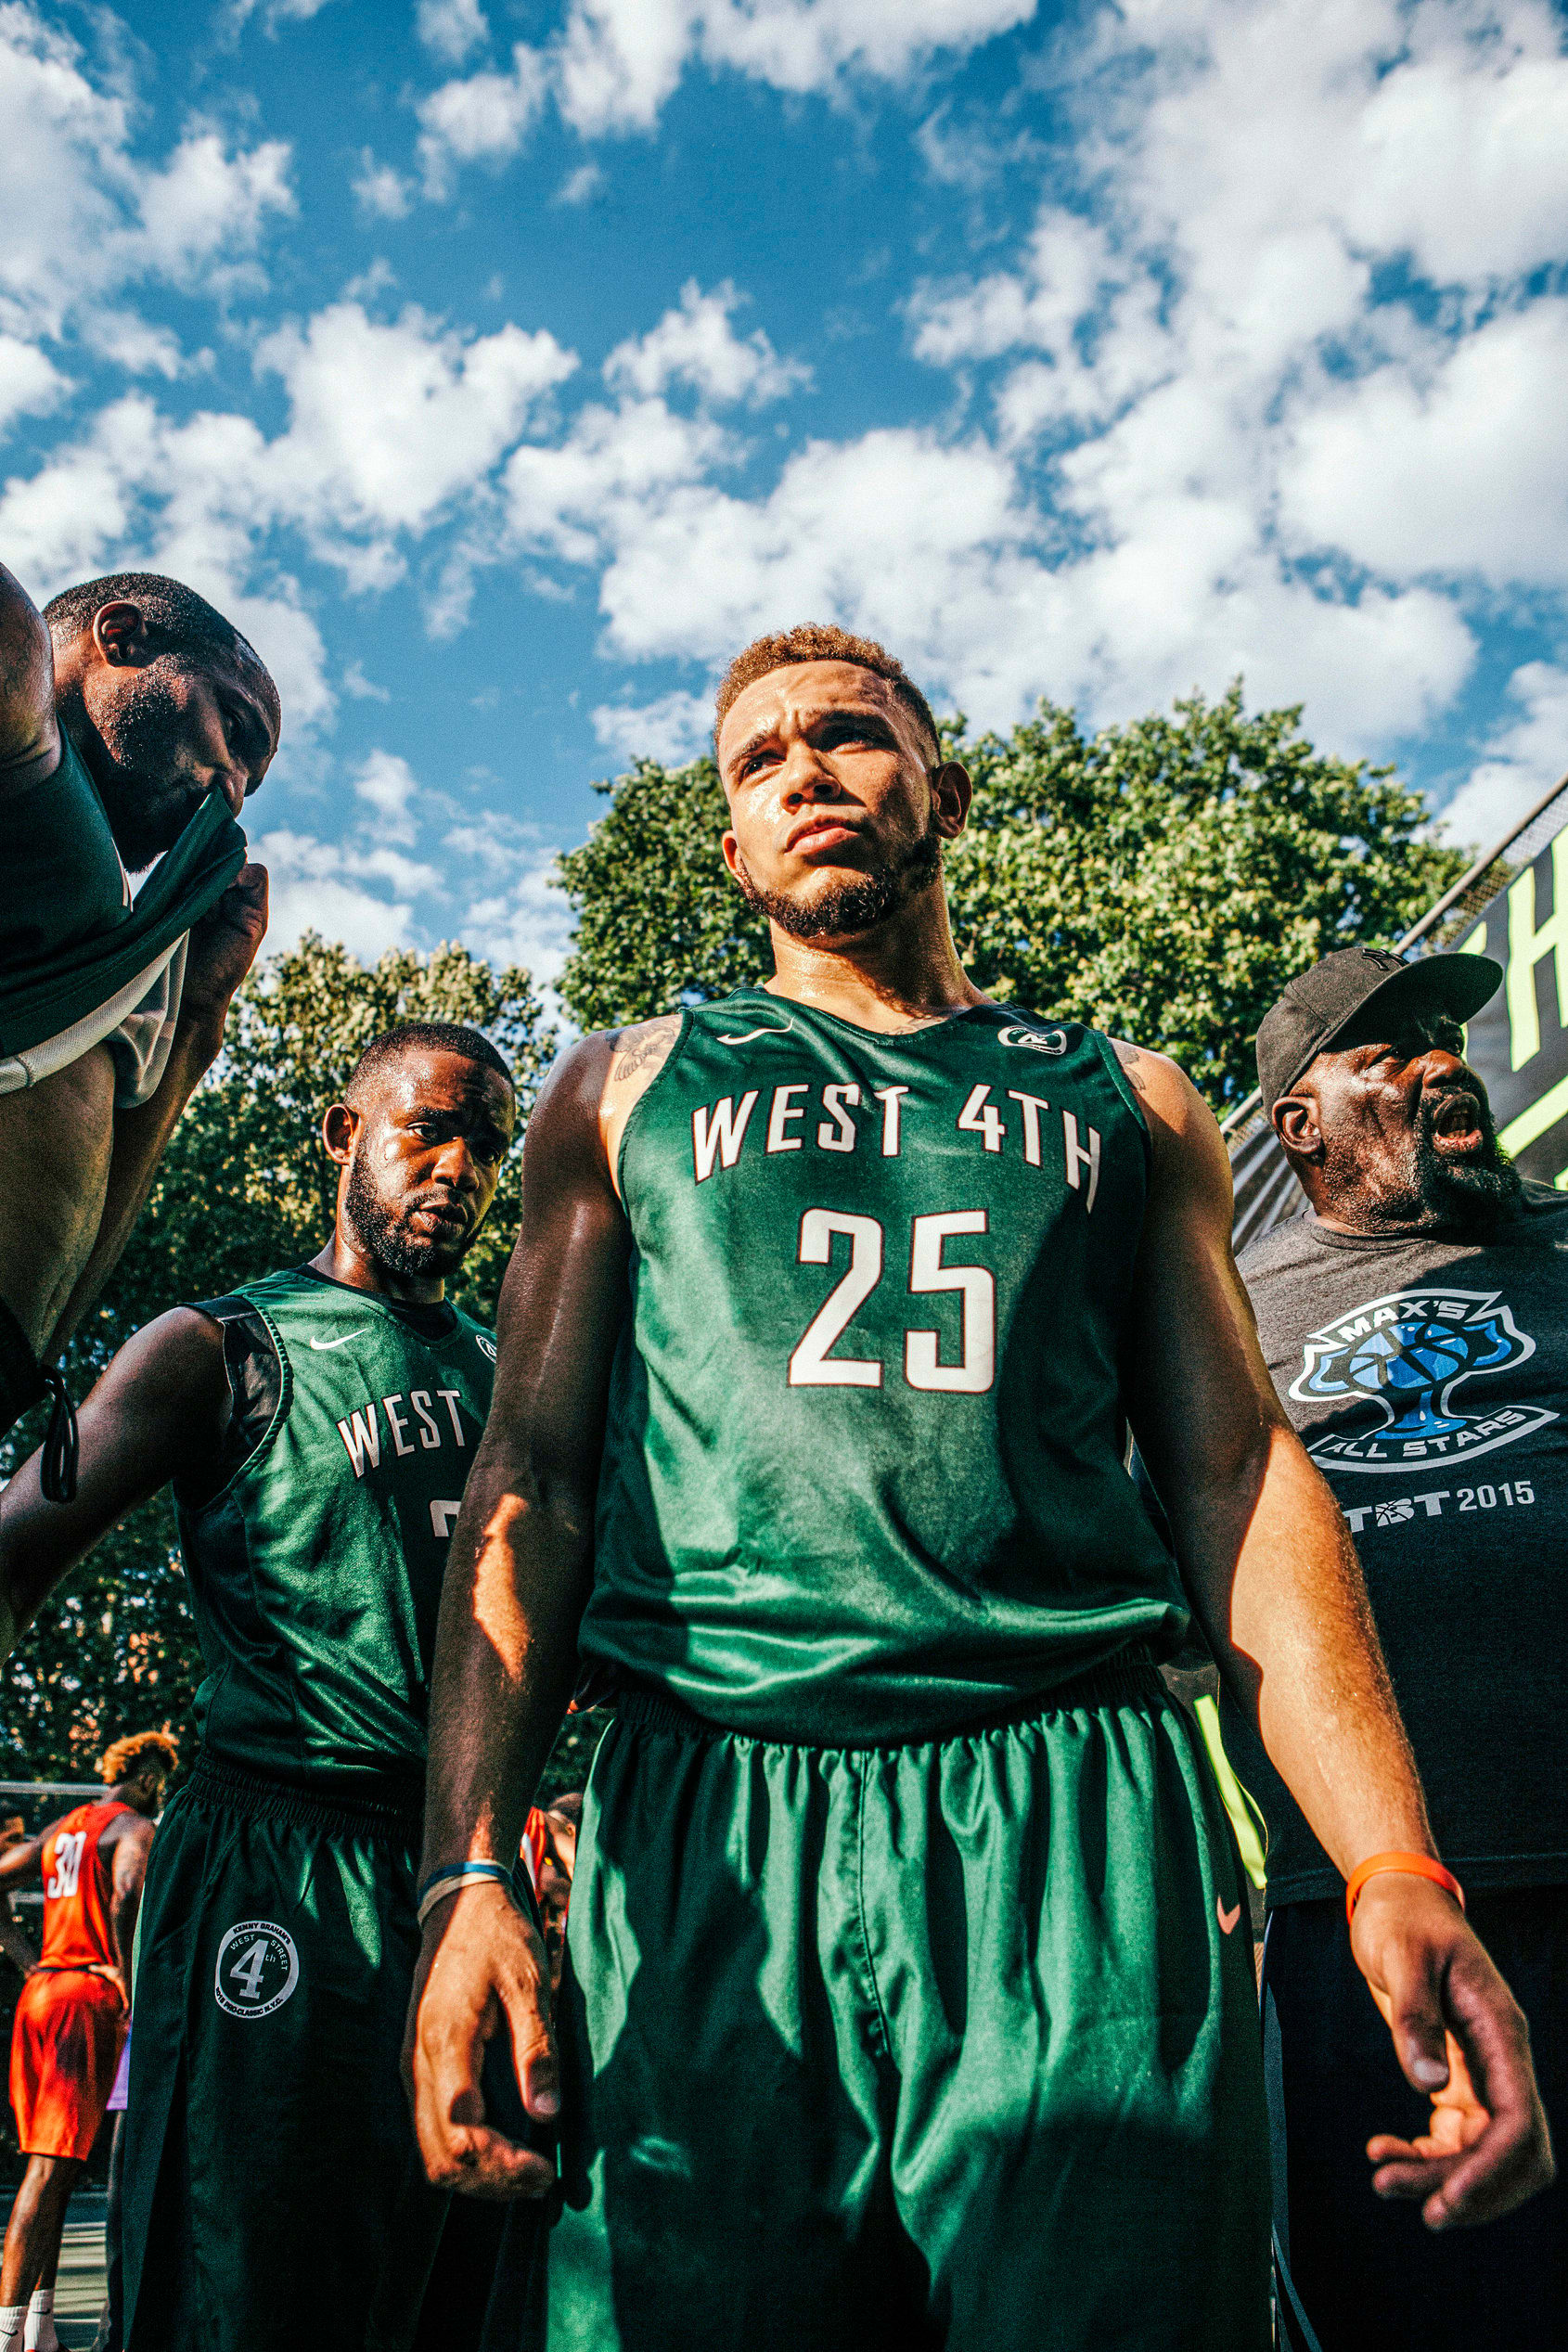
<point>317,1428</point>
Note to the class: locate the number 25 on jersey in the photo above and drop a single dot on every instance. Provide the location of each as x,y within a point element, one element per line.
<point>813,1365</point>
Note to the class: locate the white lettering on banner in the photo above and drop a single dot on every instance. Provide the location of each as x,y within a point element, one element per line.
<point>429,1437</point>
<point>397,1422</point>
<point>719,1134</point>
<point>362,1436</point>
<point>843,1136</point>
<point>781,1115</point>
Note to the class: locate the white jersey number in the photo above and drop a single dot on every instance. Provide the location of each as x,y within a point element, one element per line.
<point>68,1847</point>
<point>810,1365</point>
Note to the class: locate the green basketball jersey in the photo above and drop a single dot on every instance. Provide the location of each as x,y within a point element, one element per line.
<point>316,1572</point>
<point>864,1472</point>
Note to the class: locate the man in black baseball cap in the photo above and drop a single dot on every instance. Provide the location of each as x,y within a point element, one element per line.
<point>1415,1321</point>
<point>1361,1063</point>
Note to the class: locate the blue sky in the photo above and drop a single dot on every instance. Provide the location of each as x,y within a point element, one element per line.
<point>502,368</point>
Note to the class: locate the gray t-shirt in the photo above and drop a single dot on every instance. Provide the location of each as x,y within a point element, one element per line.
<point>1429,1379</point>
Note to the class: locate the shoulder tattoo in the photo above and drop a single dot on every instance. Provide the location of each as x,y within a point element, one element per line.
<point>641,1048</point>
<point>1131,1060</point>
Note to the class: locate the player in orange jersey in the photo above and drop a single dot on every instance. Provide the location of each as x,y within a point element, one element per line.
<point>70,2018</point>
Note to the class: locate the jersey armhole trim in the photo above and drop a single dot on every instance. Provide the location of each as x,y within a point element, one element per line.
<point>688,1016</point>
<point>263,1444</point>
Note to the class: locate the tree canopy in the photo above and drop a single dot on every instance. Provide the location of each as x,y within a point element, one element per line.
<point>1162,880</point>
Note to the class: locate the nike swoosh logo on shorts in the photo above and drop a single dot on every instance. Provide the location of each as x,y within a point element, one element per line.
<point>325,1343</point>
<point>769,1029</point>
<point>1226,1918</point>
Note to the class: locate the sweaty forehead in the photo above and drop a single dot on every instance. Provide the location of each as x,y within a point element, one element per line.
<point>795,694</point>
<point>430,1079</point>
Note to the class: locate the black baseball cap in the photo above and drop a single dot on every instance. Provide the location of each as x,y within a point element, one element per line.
<point>1318,1005</point>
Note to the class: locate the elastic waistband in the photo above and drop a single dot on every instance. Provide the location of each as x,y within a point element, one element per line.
<point>213,1783</point>
<point>1131,1677</point>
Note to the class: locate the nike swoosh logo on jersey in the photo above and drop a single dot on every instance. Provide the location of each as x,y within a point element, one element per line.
<point>325,1343</point>
<point>1226,1918</point>
<point>769,1029</point>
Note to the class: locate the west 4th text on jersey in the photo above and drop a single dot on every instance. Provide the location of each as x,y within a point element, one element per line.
<point>800,1116</point>
<point>361,1433</point>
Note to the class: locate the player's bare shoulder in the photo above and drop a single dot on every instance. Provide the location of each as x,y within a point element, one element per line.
<point>637,1056</point>
<point>1189,1152</point>
<point>592,1090</point>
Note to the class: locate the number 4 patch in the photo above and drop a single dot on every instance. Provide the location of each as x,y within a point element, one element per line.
<point>258,1968</point>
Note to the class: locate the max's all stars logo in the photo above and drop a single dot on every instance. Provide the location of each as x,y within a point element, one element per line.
<point>1407,1354</point>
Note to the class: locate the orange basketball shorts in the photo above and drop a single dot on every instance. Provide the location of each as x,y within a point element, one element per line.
<point>65,2047</point>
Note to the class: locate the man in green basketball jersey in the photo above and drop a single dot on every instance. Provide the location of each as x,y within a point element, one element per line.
<point>909,1998</point>
<point>317,1428</point>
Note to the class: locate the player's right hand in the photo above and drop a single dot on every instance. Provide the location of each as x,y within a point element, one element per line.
<point>483,1971</point>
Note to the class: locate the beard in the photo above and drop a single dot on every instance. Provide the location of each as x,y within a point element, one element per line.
<point>1471,1196</point>
<point>385,1234</point>
<point>150,796</point>
<point>848,909</point>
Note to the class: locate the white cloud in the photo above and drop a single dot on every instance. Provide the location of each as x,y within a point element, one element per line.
<point>697,345</point>
<point>1199,365</point>
<point>580,186</point>
<point>387,783</point>
<point>451,28</point>
<point>380,190</point>
<point>310,891</point>
<point>483,119</point>
<point>671,730</point>
<point>29,382</point>
<point>619,60</point>
<point>83,215</point>
<point>1528,756</point>
<point>615,63</point>
<point>389,423</point>
<point>1452,463</point>
<point>204,203</point>
<point>517,915</point>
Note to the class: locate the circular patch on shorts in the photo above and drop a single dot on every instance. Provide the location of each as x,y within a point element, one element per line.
<point>258,1968</point>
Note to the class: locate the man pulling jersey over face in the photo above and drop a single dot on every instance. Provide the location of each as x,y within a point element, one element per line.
<point>316,1428</point>
<point>134,722</point>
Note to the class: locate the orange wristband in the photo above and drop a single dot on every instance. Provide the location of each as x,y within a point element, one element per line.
<point>1418,1866</point>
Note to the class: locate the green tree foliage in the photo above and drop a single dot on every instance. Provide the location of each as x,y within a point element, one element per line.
<point>1162,880</point>
<point>244,1187</point>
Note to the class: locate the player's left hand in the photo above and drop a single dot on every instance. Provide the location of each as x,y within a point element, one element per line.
<point>223,945</point>
<point>1461,2037</point>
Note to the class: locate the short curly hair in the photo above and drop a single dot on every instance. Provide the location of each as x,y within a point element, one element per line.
<point>817,641</point>
<point>124,1759</point>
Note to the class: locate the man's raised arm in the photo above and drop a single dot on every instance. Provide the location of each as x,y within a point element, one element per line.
<point>516,1580</point>
<point>1268,1563</point>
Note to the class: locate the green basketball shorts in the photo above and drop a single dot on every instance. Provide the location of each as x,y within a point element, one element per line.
<point>952,2045</point>
<point>273,2190</point>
